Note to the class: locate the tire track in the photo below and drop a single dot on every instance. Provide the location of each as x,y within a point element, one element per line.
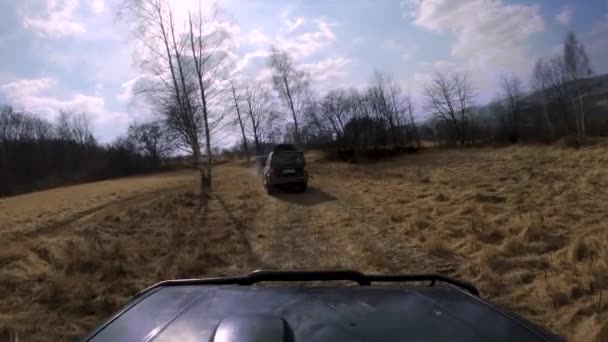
<point>57,226</point>
<point>31,239</point>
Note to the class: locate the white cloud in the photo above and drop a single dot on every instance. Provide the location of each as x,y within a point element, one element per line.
<point>26,87</point>
<point>33,95</point>
<point>328,73</point>
<point>97,6</point>
<point>293,25</point>
<point>565,16</point>
<point>264,74</point>
<point>480,25</point>
<point>490,36</point>
<point>244,61</point>
<point>59,20</point>
<point>257,37</point>
<point>126,92</point>
<point>130,89</point>
<point>308,43</point>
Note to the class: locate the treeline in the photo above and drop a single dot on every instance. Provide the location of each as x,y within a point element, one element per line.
<point>562,100</point>
<point>373,122</point>
<point>37,154</point>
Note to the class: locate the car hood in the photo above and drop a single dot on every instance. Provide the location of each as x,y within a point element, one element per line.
<point>367,313</point>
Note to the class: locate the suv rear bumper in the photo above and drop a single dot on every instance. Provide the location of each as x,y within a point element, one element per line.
<point>286,180</point>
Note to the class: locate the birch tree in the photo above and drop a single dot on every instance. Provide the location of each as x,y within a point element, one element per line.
<point>540,84</point>
<point>291,85</point>
<point>186,62</point>
<point>260,110</point>
<point>239,119</point>
<point>577,67</point>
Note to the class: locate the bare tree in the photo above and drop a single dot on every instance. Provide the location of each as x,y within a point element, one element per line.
<point>209,45</point>
<point>291,85</point>
<point>153,28</point>
<point>259,107</point>
<point>81,129</point>
<point>188,68</point>
<point>540,84</point>
<point>512,94</point>
<point>450,97</point>
<point>20,126</point>
<point>464,95</point>
<point>150,139</point>
<point>74,127</point>
<point>577,67</point>
<point>240,119</point>
<point>62,126</point>
<point>389,104</point>
<point>335,107</point>
<point>409,107</point>
<point>556,77</point>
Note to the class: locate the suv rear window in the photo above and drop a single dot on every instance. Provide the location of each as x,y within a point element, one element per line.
<point>288,158</point>
<point>285,147</point>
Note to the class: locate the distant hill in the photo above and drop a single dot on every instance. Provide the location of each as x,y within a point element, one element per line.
<point>595,89</point>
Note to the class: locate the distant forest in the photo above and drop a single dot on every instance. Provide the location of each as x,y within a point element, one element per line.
<point>36,154</point>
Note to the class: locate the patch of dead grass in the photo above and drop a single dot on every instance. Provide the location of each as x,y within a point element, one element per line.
<point>525,223</point>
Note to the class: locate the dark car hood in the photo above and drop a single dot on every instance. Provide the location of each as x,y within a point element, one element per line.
<point>368,313</point>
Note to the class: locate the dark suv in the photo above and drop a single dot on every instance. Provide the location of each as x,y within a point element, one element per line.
<point>285,167</point>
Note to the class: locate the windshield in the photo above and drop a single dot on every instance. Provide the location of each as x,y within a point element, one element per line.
<point>148,140</point>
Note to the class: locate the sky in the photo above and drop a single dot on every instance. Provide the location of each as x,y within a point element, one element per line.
<point>77,55</point>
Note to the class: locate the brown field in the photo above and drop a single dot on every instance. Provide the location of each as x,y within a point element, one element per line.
<point>527,225</point>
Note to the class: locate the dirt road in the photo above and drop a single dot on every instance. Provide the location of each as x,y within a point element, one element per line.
<point>326,228</point>
<point>524,225</point>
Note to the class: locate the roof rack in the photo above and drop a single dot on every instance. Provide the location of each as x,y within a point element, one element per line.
<point>320,275</point>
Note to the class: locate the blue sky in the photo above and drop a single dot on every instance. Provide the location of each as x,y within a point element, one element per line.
<point>74,54</point>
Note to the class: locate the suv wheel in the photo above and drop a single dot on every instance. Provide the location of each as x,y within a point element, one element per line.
<point>302,187</point>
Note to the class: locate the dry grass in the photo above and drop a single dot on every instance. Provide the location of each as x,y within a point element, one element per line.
<point>34,210</point>
<point>526,224</point>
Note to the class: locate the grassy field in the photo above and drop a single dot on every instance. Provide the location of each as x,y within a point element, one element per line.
<point>528,225</point>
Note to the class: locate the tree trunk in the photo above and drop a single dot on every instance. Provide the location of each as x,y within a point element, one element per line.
<point>255,125</point>
<point>209,162</point>
<point>582,111</point>
<point>416,135</point>
<point>549,125</point>
<point>197,64</point>
<point>198,161</point>
<point>238,114</point>
<point>293,113</point>
<point>578,124</point>
<point>463,127</point>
